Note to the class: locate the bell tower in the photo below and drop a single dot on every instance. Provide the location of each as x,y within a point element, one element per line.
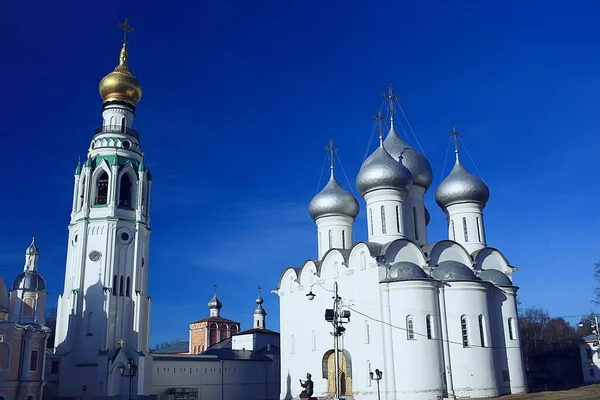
<point>104,309</point>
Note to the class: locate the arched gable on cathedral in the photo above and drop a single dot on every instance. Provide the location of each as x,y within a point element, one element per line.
<point>446,250</point>
<point>403,250</point>
<point>491,258</point>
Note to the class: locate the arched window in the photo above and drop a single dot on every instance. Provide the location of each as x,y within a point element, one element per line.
<point>128,287</point>
<point>292,345</point>
<point>363,257</point>
<point>314,341</point>
<point>124,125</point>
<point>428,326</point>
<point>102,189</point>
<point>121,286</point>
<point>478,230</point>
<point>481,321</point>
<point>398,219</point>
<point>367,333</point>
<point>410,328</point>
<point>33,360</point>
<point>343,238</point>
<point>511,334</point>
<point>223,332</point>
<point>330,239</point>
<point>114,287</point>
<point>453,232</point>
<point>234,329</point>
<point>29,307</point>
<point>383,228</point>
<point>81,193</point>
<point>4,355</point>
<point>371,220</point>
<point>213,332</point>
<point>125,191</point>
<point>465,229</point>
<point>415,223</point>
<point>464,328</point>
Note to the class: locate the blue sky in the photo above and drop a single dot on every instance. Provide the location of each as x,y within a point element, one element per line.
<point>241,97</point>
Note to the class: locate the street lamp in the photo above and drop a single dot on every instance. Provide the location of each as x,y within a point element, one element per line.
<point>377,377</point>
<point>595,330</point>
<point>132,369</point>
<point>337,318</point>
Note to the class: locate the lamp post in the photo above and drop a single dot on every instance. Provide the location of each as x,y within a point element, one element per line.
<point>132,369</point>
<point>595,330</point>
<point>377,377</point>
<point>337,317</point>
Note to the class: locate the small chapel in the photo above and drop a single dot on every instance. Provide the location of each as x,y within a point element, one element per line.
<point>434,319</point>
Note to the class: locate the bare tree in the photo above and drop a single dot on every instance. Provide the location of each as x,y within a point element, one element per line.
<point>50,322</point>
<point>597,278</point>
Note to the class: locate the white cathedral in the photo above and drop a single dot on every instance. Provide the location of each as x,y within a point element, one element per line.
<point>438,320</point>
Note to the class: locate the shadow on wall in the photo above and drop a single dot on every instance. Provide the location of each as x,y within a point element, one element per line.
<point>288,390</point>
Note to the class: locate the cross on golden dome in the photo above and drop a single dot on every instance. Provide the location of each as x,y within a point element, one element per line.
<point>126,29</point>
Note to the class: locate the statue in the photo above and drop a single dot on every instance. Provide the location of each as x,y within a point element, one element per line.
<point>308,387</point>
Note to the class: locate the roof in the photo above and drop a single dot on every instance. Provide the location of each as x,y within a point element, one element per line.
<point>215,319</point>
<point>230,354</point>
<point>181,347</point>
<point>256,330</point>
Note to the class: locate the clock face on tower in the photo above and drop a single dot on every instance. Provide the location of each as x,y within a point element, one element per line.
<point>95,255</point>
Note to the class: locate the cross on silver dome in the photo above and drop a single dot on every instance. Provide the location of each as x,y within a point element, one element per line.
<point>333,199</point>
<point>460,186</point>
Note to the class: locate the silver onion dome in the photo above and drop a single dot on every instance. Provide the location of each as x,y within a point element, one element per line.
<point>215,303</point>
<point>405,271</point>
<point>259,308</point>
<point>333,200</point>
<point>496,277</point>
<point>460,186</point>
<point>416,162</point>
<point>380,171</point>
<point>29,281</point>
<point>452,271</point>
<point>3,295</point>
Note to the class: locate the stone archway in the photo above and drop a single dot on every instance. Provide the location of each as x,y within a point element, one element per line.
<point>345,372</point>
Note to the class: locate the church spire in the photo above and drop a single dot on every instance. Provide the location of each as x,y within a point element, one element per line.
<point>380,119</point>
<point>32,255</point>
<point>455,135</point>
<point>391,98</point>
<point>215,305</point>
<point>331,150</point>
<point>259,313</point>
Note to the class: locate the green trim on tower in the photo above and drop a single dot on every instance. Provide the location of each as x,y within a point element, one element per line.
<point>141,167</point>
<point>78,169</point>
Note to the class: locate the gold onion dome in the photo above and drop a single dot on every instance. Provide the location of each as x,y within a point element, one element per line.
<point>121,84</point>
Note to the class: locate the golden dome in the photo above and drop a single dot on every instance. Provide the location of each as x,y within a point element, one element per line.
<point>121,84</point>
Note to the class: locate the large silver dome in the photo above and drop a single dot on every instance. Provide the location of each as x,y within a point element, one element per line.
<point>405,271</point>
<point>30,281</point>
<point>460,186</point>
<point>496,277</point>
<point>380,171</point>
<point>416,162</point>
<point>215,303</point>
<point>333,200</point>
<point>3,295</point>
<point>452,271</point>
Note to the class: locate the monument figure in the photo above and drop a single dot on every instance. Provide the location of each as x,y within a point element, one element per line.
<point>308,387</point>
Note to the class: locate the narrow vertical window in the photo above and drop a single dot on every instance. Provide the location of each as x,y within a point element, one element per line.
<point>428,326</point>
<point>330,238</point>
<point>478,230</point>
<point>102,189</point>
<point>398,219</point>
<point>292,345</point>
<point>589,354</point>
<point>125,191</point>
<point>383,228</point>
<point>464,330</point>
<point>128,293</point>
<point>90,324</point>
<point>343,238</point>
<point>511,333</point>
<point>465,229</point>
<point>114,287</point>
<point>415,223</point>
<point>410,328</point>
<point>121,286</point>
<point>482,329</point>
<point>367,333</point>
<point>371,220</point>
<point>320,239</point>
<point>33,361</point>
<point>453,232</point>
<point>314,341</point>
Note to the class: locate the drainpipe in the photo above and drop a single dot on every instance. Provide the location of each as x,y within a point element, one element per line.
<point>446,344</point>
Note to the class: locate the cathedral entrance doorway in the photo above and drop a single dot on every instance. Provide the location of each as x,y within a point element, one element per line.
<point>344,371</point>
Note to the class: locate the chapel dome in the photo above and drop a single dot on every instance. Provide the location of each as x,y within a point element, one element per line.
<point>414,161</point>
<point>29,281</point>
<point>460,186</point>
<point>452,271</point>
<point>496,277</point>
<point>121,85</point>
<point>381,171</point>
<point>333,200</point>
<point>405,271</point>
<point>215,303</point>
<point>3,295</point>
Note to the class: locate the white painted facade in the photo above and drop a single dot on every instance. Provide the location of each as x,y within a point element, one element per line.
<point>438,319</point>
<point>590,360</point>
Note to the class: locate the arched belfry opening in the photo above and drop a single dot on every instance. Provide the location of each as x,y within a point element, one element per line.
<point>102,189</point>
<point>125,193</point>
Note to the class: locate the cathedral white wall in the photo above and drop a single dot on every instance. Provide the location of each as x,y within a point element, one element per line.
<point>385,215</point>
<point>216,379</point>
<point>422,378</point>
<point>414,215</point>
<point>473,367</point>
<point>516,363</point>
<point>115,116</point>
<point>465,225</point>
<point>334,231</point>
